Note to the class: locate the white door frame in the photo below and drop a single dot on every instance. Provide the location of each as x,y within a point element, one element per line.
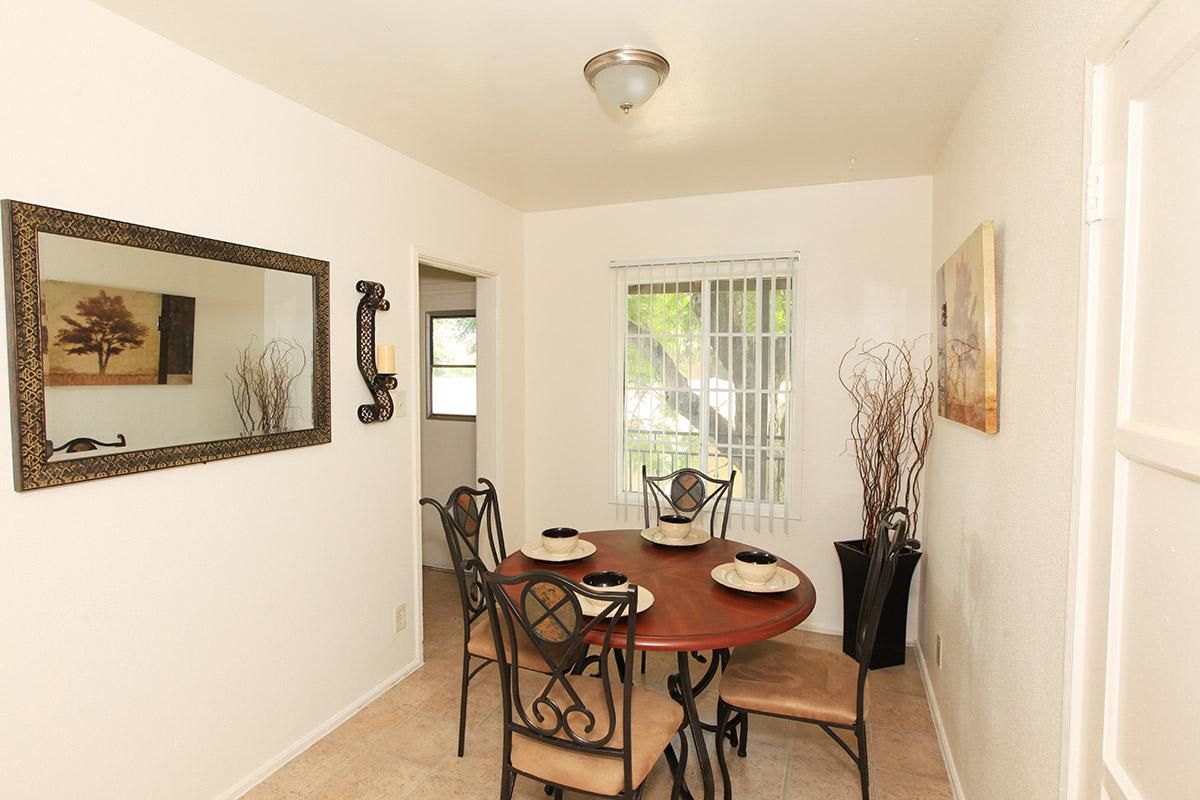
<point>487,421</point>
<point>1088,573</point>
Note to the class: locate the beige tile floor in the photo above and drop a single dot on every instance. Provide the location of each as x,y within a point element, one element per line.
<point>403,744</point>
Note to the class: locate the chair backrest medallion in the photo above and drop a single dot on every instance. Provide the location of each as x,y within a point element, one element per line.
<point>687,491</point>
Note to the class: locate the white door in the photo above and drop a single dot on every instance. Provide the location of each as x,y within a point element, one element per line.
<point>1139,523</point>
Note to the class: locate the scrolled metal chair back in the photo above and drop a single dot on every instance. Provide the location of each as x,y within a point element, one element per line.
<point>547,609</point>
<point>687,491</point>
<point>469,516</point>
<point>891,540</point>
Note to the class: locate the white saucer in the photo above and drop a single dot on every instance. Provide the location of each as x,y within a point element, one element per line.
<point>534,550</point>
<point>591,608</point>
<point>782,581</point>
<point>694,538</point>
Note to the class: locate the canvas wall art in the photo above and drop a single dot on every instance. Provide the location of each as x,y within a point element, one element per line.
<point>968,361</point>
<point>103,336</point>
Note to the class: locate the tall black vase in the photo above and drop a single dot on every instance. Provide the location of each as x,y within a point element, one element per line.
<point>892,637</point>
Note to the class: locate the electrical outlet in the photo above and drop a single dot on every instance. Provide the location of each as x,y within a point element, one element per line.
<point>400,402</point>
<point>938,652</point>
<point>401,617</point>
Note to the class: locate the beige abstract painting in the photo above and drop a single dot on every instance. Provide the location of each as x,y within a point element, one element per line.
<point>968,358</point>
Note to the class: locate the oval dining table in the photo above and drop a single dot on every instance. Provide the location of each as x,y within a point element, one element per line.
<point>691,611</point>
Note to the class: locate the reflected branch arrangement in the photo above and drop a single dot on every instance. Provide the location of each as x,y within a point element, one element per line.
<point>262,385</point>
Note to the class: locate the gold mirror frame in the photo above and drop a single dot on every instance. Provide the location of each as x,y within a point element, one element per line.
<point>32,468</point>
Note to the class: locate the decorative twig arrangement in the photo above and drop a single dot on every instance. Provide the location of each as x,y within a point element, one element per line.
<point>893,396</point>
<point>262,385</point>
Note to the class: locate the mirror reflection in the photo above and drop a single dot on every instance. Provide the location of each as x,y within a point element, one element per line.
<point>144,349</point>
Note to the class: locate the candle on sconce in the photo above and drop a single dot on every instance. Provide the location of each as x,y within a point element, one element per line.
<point>385,359</point>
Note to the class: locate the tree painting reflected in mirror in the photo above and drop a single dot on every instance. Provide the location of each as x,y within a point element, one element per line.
<point>708,380</point>
<point>101,336</point>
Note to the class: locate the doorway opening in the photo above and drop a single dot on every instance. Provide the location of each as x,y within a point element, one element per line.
<point>449,402</point>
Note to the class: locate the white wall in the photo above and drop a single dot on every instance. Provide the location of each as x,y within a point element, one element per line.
<point>447,445</point>
<point>865,251</point>
<point>168,634</point>
<point>998,507</point>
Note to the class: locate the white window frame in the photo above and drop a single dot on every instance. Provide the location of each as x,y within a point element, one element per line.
<point>707,269</point>
<point>430,365</point>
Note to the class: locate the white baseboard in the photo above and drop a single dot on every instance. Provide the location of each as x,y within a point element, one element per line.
<point>943,744</point>
<point>305,741</point>
<point>835,630</point>
<point>832,630</point>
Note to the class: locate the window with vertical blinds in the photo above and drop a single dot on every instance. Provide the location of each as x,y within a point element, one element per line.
<point>704,359</point>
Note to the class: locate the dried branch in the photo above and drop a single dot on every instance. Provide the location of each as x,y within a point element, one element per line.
<point>266,382</point>
<point>892,396</point>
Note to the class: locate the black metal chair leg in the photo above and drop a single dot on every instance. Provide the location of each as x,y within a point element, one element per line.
<point>864,766</point>
<point>723,712</point>
<point>619,657</point>
<point>508,782</point>
<point>558,794</point>
<point>678,787</point>
<point>745,734</point>
<point>462,703</point>
<point>643,662</point>
<point>673,763</point>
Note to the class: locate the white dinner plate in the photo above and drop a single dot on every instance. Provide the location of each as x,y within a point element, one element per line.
<point>695,537</point>
<point>782,581</point>
<point>591,608</point>
<point>534,550</point>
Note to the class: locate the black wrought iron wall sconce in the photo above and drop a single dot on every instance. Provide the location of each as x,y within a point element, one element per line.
<point>378,368</point>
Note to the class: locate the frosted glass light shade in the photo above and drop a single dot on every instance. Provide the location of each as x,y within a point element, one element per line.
<point>626,79</point>
<point>626,86</point>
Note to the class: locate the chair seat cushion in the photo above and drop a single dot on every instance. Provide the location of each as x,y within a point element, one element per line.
<point>655,719</point>
<point>483,644</point>
<point>792,680</point>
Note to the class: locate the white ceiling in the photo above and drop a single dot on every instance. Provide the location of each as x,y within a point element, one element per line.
<point>762,93</point>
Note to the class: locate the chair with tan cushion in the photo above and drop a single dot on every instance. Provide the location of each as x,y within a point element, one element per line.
<point>780,679</point>
<point>686,492</point>
<point>597,735</point>
<point>468,516</point>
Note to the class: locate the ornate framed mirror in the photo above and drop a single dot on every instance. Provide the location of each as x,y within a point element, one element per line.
<point>133,348</point>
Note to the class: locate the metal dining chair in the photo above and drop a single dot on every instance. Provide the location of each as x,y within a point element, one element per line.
<point>469,515</point>
<point>687,491</point>
<point>827,689</point>
<point>597,735</point>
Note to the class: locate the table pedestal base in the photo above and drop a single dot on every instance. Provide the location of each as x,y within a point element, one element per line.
<point>684,691</point>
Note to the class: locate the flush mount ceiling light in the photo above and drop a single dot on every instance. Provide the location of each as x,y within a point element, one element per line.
<point>626,78</point>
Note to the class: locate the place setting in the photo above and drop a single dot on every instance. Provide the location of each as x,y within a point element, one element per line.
<point>755,571</point>
<point>611,581</point>
<point>557,545</point>
<point>675,530</point>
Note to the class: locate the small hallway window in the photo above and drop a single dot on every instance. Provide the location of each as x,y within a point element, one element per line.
<point>451,381</point>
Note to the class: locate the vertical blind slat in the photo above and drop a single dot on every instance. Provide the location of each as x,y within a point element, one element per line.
<point>749,391</point>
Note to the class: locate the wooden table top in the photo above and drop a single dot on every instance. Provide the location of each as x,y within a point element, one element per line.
<point>691,611</point>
